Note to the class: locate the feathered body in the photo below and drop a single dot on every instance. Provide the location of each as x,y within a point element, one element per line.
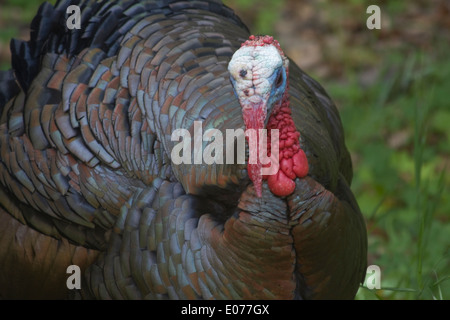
<point>86,176</point>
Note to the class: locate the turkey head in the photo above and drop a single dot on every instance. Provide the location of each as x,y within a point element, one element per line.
<point>259,74</point>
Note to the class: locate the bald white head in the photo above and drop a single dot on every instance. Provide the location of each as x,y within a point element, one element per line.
<point>258,74</point>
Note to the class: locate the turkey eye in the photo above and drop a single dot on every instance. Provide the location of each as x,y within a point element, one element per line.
<point>279,80</point>
<point>243,73</point>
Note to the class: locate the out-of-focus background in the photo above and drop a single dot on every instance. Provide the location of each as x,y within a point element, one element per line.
<point>392,89</point>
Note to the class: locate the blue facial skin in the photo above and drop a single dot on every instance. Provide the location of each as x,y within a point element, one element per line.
<point>233,84</point>
<point>278,88</point>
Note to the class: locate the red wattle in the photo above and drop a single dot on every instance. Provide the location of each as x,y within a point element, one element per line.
<point>300,164</point>
<point>293,161</point>
<point>286,165</point>
<point>280,184</point>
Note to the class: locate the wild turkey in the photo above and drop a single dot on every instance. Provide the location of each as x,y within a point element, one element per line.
<point>87,176</point>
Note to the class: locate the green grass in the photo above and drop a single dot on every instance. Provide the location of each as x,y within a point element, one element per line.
<point>402,187</point>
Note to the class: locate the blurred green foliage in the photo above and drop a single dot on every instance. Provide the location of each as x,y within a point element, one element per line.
<point>398,133</point>
<point>397,129</point>
<point>15,18</point>
<point>263,13</point>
